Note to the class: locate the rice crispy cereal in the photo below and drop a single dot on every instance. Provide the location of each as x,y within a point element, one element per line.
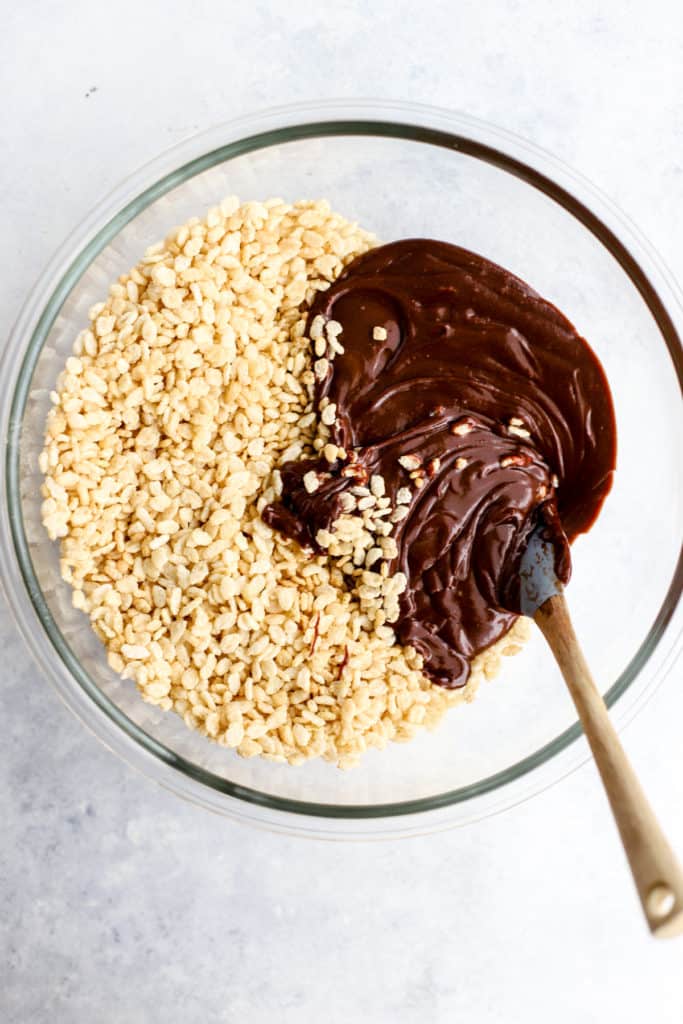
<point>191,386</point>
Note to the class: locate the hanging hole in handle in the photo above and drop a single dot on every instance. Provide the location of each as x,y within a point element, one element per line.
<point>660,900</point>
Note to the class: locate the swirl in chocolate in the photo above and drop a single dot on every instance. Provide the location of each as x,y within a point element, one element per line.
<point>503,411</point>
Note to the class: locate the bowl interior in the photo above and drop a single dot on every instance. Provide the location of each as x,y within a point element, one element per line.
<point>401,187</point>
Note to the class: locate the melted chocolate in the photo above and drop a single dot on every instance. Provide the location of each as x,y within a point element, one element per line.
<point>472,355</point>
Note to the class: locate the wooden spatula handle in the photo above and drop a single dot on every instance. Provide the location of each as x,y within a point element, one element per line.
<point>654,867</point>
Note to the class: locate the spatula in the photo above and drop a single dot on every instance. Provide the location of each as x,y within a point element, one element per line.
<point>655,869</point>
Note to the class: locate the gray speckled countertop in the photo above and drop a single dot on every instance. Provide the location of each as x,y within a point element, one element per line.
<point>119,903</point>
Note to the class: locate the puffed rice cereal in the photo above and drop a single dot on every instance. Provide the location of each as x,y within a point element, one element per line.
<point>191,386</point>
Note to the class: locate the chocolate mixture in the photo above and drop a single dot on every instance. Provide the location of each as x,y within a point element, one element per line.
<point>505,416</point>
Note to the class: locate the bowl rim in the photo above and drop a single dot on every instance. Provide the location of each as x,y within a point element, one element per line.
<point>408,121</point>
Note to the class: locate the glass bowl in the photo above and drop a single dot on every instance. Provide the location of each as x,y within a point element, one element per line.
<point>400,170</point>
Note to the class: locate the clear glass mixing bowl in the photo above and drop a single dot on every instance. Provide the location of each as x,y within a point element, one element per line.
<point>400,170</point>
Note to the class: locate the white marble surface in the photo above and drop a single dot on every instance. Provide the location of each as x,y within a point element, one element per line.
<point>118,902</point>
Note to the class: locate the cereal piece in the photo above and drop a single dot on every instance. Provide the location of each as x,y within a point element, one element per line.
<point>409,462</point>
<point>462,427</point>
<point>518,431</point>
<point>511,460</point>
<point>317,328</point>
<point>333,328</point>
<point>311,481</point>
<point>321,368</point>
<point>347,501</point>
<point>377,486</point>
<point>134,652</point>
<point>328,414</point>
